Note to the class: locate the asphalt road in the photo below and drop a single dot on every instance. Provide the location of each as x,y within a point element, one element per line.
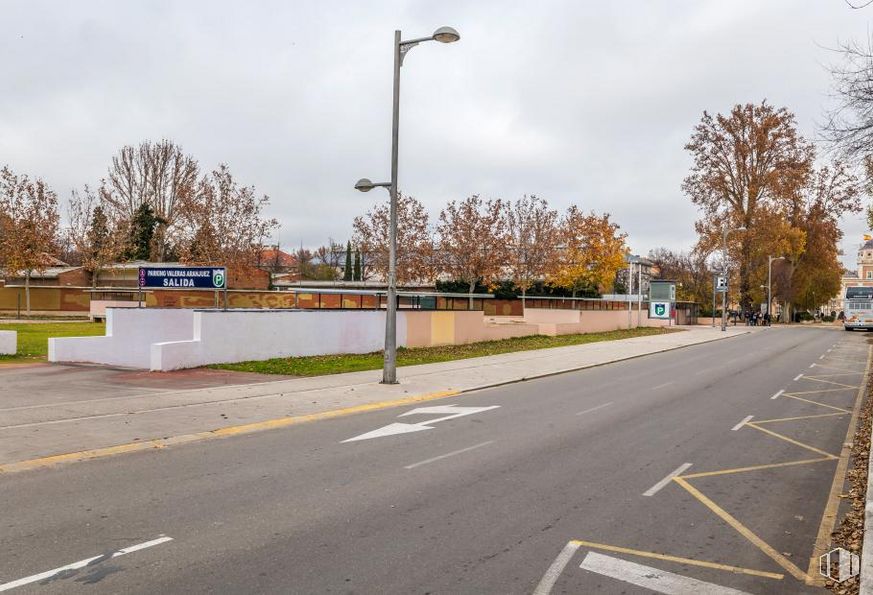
<point>509,499</point>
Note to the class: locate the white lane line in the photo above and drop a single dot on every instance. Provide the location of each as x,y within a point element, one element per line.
<point>594,408</point>
<point>82,563</point>
<point>811,365</point>
<point>658,486</point>
<point>653,579</point>
<point>829,350</point>
<point>821,356</point>
<point>746,420</point>
<point>663,385</point>
<point>798,377</point>
<point>448,454</point>
<point>551,576</point>
<point>777,395</point>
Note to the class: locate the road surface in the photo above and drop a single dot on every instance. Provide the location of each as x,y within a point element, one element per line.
<point>562,485</point>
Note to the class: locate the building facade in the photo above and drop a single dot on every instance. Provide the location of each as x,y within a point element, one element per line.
<point>861,277</point>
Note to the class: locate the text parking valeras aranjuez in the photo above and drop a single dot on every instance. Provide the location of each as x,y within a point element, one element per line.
<point>183,277</point>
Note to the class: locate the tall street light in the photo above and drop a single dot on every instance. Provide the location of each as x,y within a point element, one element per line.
<point>770,260</point>
<point>389,366</point>
<point>724,237</point>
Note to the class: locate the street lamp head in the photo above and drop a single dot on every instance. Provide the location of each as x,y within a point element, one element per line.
<point>446,35</point>
<point>741,228</point>
<point>364,185</point>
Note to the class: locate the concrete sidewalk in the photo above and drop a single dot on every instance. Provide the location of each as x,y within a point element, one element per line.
<point>28,432</point>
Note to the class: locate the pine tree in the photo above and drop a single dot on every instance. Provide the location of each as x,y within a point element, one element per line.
<point>347,272</point>
<point>357,276</point>
<point>142,231</point>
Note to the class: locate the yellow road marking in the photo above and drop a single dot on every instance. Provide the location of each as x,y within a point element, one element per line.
<point>831,374</point>
<point>815,392</point>
<point>829,516</point>
<point>645,554</point>
<point>829,367</point>
<point>780,419</point>
<point>742,530</point>
<point>815,403</point>
<point>270,424</point>
<point>791,440</point>
<point>828,381</point>
<point>752,468</point>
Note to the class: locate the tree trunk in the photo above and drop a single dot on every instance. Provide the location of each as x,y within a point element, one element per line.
<point>27,292</point>
<point>472,289</point>
<point>523,294</point>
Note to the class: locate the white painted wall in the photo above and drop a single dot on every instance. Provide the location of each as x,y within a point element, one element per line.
<point>130,333</point>
<point>8,342</point>
<point>243,335</point>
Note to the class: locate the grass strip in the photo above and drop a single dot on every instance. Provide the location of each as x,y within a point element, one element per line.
<point>320,365</point>
<point>33,338</point>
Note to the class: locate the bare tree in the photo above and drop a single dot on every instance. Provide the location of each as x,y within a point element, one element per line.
<point>472,240</point>
<point>533,238</point>
<point>221,222</point>
<point>414,241</point>
<point>850,124</point>
<point>29,226</point>
<point>157,174</point>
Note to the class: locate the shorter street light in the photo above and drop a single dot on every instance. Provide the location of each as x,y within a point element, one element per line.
<point>770,260</point>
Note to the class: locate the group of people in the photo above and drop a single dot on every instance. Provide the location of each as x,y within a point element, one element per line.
<point>752,318</point>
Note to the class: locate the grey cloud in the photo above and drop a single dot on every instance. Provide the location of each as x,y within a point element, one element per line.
<point>588,102</point>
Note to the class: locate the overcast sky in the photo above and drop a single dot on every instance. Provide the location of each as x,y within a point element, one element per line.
<point>575,101</point>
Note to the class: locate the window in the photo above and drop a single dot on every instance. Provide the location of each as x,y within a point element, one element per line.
<point>870,274</point>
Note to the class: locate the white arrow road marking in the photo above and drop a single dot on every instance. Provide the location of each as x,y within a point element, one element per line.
<point>400,428</point>
<point>659,581</point>
<point>82,563</point>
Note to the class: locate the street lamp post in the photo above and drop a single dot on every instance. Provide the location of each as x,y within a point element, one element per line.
<point>770,260</point>
<point>724,237</point>
<point>389,366</point>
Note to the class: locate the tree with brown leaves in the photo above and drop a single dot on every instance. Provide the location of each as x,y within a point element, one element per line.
<point>222,223</point>
<point>748,164</point>
<point>473,240</point>
<point>29,226</point>
<point>92,234</point>
<point>532,241</point>
<point>414,262</point>
<point>593,251</point>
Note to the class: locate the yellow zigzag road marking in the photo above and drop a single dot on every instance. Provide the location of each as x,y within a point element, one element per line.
<point>815,392</point>
<point>753,468</point>
<point>817,365</point>
<point>771,421</point>
<point>805,377</point>
<point>743,530</point>
<point>815,403</point>
<point>689,561</point>
<point>829,516</point>
<point>791,440</point>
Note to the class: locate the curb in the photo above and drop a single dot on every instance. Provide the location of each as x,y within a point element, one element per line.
<point>282,422</point>
<point>866,570</point>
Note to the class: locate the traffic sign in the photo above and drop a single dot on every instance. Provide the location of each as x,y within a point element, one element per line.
<point>721,284</point>
<point>659,310</point>
<point>183,277</point>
